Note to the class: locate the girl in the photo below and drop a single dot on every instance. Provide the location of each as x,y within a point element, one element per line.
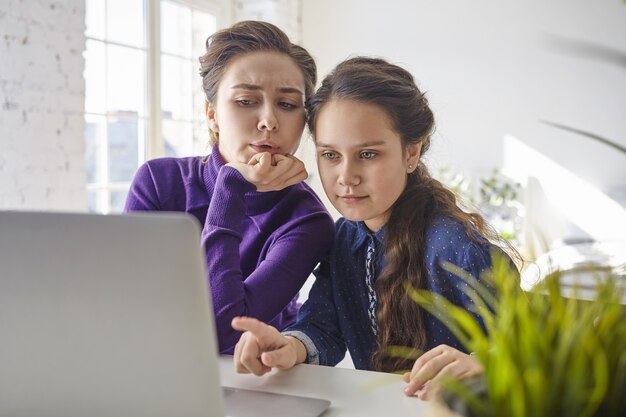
<point>372,125</point>
<point>264,230</point>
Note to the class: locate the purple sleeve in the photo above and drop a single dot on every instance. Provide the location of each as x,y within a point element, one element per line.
<point>142,195</point>
<point>277,279</point>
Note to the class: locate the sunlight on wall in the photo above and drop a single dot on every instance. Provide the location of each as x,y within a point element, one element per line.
<point>574,199</point>
<point>581,265</point>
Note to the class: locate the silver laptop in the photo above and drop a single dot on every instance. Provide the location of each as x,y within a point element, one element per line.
<point>111,316</point>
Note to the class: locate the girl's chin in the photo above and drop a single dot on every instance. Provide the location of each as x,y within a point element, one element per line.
<point>352,215</point>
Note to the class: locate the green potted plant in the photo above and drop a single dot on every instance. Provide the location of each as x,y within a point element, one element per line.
<point>494,195</point>
<point>544,354</point>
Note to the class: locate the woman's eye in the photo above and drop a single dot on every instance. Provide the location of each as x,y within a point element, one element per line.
<point>244,102</point>
<point>287,106</point>
<point>329,155</point>
<point>368,155</point>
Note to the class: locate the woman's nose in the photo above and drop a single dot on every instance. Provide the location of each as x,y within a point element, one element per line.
<point>268,120</point>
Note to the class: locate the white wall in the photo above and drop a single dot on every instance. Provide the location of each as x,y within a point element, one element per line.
<point>285,14</point>
<point>493,68</point>
<point>41,105</point>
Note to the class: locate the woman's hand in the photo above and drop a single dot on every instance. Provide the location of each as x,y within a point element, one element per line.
<point>437,364</point>
<point>269,172</point>
<point>262,348</point>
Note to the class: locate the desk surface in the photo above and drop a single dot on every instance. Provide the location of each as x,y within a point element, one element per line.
<point>351,392</point>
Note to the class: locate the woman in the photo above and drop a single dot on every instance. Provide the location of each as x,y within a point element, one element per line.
<point>372,126</point>
<point>264,230</point>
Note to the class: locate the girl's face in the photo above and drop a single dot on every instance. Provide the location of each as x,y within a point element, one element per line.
<point>362,162</point>
<point>259,106</point>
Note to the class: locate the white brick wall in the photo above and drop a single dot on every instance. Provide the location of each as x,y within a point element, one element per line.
<point>286,14</point>
<point>42,164</point>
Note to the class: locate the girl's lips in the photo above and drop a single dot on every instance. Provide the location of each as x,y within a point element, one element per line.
<point>351,199</point>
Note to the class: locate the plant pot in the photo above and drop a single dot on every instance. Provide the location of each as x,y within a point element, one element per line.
<point>449,404</point>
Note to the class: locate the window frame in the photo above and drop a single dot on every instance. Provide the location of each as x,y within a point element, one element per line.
<point>155,145</point>
<point>153,141</point>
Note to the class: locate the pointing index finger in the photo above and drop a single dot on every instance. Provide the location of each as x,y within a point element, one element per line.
<point>252,325</point>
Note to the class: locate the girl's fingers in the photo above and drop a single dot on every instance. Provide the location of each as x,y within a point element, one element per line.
<point>249,356</point>
<point>282,358</point>
<point>445,362</point>
<point>428,366</point>
<point>428,355</point>
<point>453,369</point>
<point>236,355</point>
<point>427,391</point>
<point>264,334</point>
<point>462,366</point>
<point>259,340</point>
<point>249,324</point>
<point>456,369</point>
<point>425,374</point>
<point>247,351</point>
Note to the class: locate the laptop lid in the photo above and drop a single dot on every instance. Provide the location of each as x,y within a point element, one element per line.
<point>105,316</point>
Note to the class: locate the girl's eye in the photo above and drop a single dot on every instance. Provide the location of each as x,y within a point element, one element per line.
<point>329,155</point>
<point>368,155</point>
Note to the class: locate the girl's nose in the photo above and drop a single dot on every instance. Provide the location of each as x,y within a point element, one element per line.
<point>348,176</point>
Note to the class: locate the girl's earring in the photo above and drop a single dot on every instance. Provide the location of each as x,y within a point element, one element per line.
<point>410,166</point>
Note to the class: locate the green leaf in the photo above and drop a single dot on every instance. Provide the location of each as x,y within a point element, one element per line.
<point>543,354</point>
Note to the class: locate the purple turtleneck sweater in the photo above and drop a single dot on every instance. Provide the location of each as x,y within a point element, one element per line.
<point>260,247</point>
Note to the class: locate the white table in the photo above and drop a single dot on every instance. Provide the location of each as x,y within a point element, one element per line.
<point>351,392</point>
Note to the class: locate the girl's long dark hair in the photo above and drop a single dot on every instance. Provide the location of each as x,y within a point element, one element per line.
<point>401,321</point>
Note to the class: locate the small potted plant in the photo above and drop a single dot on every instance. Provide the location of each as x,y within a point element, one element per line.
<point>497,197</point>
<point>543,354</point>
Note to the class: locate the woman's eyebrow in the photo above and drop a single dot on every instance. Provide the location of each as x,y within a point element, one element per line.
<point>289,90</point>
<point>256,87</point>
<point>246,86</point>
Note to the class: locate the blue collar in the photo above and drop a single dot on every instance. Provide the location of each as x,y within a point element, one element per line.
<point>363,234</point>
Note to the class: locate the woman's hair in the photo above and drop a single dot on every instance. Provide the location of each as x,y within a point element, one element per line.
<point>401,321</point>
<point>246,37</point>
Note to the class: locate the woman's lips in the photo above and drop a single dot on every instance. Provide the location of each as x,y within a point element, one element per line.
<point>258,148</point>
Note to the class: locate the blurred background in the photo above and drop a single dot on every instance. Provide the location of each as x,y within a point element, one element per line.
<point>529,97</point>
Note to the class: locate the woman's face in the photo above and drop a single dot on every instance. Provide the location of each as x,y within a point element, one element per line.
<point>361,160</point>
<point>259,106</point>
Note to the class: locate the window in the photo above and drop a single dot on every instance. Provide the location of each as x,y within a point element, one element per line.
<point>143,95</point>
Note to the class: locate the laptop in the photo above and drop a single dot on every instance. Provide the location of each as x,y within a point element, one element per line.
<point>111,316</point>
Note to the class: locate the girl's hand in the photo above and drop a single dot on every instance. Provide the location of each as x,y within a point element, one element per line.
<point>269,172</point>
<point>436,364</point>
<point>262,348</point>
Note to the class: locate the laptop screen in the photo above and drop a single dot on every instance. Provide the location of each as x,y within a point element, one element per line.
<point>105,315</point>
